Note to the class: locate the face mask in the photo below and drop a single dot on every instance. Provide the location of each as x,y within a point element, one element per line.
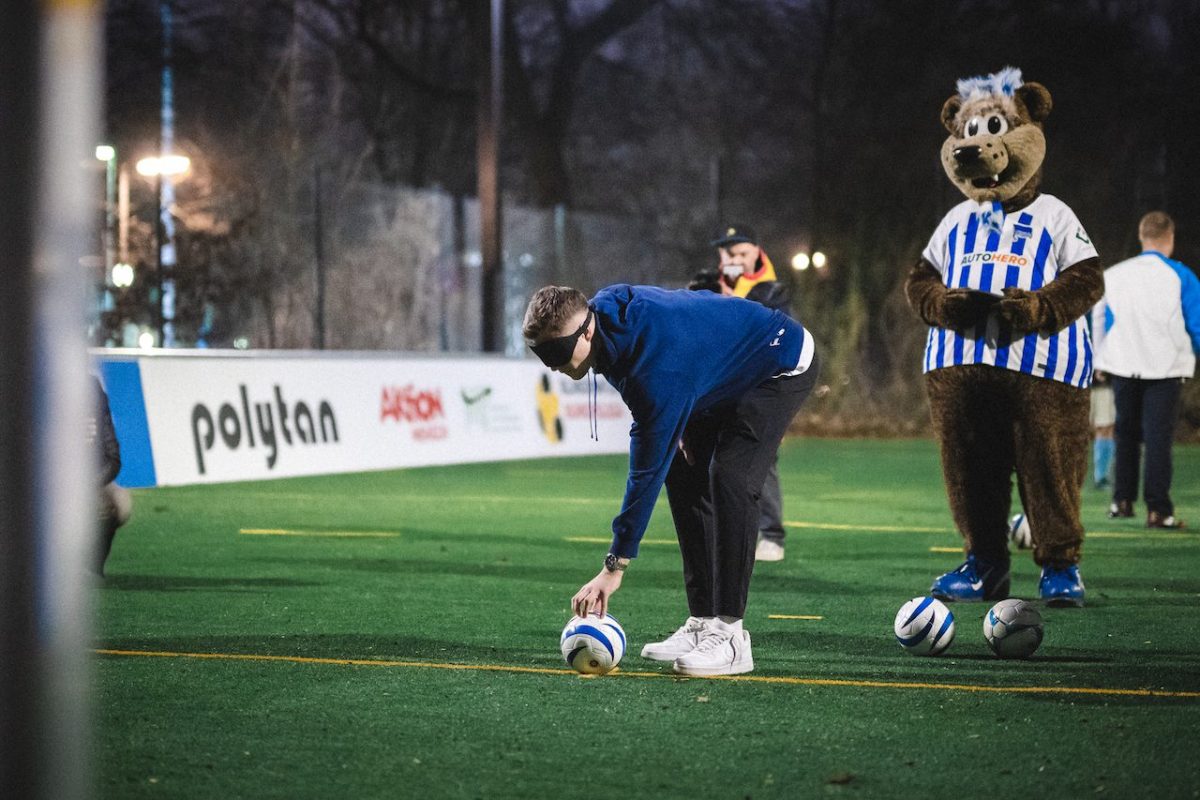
<point>557,352</point>
<point>732,271</point>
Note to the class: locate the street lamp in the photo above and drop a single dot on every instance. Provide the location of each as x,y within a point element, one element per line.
<point>163,168</point>
<point>169,165</point>
<point>800,262</point>
<point>818,259</point>
<point>108,154</point>
<point>122,275</point>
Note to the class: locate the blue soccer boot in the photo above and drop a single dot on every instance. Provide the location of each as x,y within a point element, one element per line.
<point>973,581</point>
<point>1061,586</point>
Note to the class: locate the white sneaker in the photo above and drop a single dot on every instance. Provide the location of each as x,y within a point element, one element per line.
<point>720,652</point>
<point>768,551</point>
<point>679,643</point>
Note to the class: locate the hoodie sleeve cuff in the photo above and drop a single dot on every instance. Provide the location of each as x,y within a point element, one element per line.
<point>623,548</point>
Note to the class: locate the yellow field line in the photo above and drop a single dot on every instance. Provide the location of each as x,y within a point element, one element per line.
<point>793,616</point>
<point>945,549</point>
<point>602,540</point>
<point>336,534</point>
<point>1135,535</point>
<point>839,526</point>
<point>767,679</point>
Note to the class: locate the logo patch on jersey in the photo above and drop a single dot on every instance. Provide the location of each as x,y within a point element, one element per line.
<point>1022,232</point>
<point>1081,236</point>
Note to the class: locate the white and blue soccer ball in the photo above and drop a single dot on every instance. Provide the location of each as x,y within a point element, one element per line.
<point>1019,533</point>
<point>593,645</point>
<point>1013,628</point>
<point>924,626</point>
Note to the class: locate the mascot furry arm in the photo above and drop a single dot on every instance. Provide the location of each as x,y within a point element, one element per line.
<point>1047,311</point>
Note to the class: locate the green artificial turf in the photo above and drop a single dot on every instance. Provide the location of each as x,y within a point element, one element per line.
<point>421,570</point>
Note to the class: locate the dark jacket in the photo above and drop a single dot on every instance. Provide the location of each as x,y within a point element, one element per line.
<point>671,354</point>
<point>102,436</point>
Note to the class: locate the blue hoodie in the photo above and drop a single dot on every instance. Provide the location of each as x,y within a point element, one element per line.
<point>671,354</point>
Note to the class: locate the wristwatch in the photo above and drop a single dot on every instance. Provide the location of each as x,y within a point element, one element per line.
<point>613,563</point>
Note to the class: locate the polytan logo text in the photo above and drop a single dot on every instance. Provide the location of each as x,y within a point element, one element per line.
<point>418,407</point>
<point>268,423</point>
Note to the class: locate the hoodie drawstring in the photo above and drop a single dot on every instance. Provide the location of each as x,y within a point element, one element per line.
<point>593,420</point>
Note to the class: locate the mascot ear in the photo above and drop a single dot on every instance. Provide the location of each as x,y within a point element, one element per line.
<point>1036,99</point>
<point>950,110</point>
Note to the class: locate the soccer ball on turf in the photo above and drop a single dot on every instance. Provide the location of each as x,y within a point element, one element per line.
<point>1013,628</point>
<point>593,645</point>
<point>924,626</point>
<point>1019,533</point>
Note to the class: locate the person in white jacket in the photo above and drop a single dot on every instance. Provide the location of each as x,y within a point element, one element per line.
<point>1147,330</point>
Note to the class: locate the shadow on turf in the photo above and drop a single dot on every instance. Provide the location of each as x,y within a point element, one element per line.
<point>189,583</point>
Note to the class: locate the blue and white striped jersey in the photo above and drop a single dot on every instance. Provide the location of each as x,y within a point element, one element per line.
<point>979,247</point>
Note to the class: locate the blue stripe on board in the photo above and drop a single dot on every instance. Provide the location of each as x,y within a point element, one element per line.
<point>959,341</point>
<point>123,384</point>
<point>941,348</point>
<point>980,333</point>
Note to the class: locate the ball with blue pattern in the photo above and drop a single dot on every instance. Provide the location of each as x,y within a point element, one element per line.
<point>593,645</point>
<point>1019,532</point>
<point>924,626</point>
<point>1013,628</point>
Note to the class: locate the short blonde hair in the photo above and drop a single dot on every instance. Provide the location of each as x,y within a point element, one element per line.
<point>1156,226</point>
<point>549,309</point>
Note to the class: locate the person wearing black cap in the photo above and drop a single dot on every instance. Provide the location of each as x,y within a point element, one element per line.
<point>743,263</point>
<point>744,270</point>
<point>712,385</point>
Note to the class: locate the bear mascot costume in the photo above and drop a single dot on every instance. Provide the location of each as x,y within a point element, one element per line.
<point>1004,284</point>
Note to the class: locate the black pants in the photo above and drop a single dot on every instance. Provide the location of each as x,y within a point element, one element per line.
<point>1146,414</point>
<point>770,507</point>
<point>714,500</point>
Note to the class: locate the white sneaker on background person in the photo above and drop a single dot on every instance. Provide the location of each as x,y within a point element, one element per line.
<point>768,550</point>
<point>679,643</point>
<point>723,650</point>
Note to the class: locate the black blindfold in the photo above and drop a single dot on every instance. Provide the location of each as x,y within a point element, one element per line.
<point>557,352</point>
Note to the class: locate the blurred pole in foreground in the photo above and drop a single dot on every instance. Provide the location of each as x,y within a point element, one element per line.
<point>18,96</point>
<point>490,123</point>
<point>50,92</point>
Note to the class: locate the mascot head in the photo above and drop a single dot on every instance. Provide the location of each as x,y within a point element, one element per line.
<point>996,146</point>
